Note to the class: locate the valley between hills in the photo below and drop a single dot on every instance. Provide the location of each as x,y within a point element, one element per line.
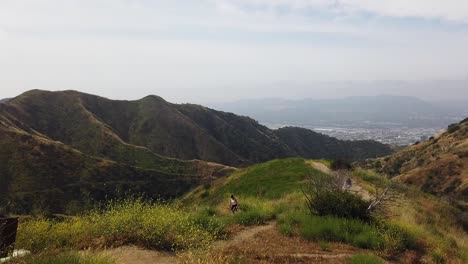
<point>95,180</point>
<point>61,148</point>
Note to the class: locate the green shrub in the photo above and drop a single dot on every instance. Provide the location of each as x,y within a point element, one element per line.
<point>340,204</point>
<point>207,220</point>
<point>332,229</point>
<point>396,237</point>
<point>365,259</point>
<point>66,258</point>
<point>371,177</point>
<point>340,164</point>
<point>254,212</point>
<point>453,127</point>
<point>163,226</point>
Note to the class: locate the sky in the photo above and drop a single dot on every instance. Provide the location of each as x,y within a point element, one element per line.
<point>224,50</point>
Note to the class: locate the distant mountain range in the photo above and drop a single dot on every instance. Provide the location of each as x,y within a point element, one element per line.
<point>4,100</point>
<point>57,148</point>
<point>364,110</point>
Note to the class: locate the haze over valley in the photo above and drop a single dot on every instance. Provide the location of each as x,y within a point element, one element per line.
<point>233,131</point>
<point>396,120</point>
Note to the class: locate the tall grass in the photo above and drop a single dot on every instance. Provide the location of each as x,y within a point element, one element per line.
<point>254,211</point>
<point>331,229</point>
<point>164,226</point>
<point>371,177</point>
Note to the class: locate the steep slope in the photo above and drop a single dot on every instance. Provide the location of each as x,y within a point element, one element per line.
<point>240,134</point>
<point>438,166</point>
<point>159,126</point>
<point>105,128</point>
<point>40,174</point>
<point>133,131</point>
<point>309,144</point>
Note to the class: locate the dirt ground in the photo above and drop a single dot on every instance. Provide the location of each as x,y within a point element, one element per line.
<point>259,244</point>
<point>269,246</point>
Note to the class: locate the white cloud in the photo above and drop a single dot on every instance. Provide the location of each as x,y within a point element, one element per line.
<point>186,50</point>
<point>454,10</point>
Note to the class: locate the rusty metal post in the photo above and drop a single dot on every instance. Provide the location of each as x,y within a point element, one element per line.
<point>8,227</point>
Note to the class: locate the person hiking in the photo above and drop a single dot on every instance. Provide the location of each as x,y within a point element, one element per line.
<point>233,204</point>
<point>348,184</point>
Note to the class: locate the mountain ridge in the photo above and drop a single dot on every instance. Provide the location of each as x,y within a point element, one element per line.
<point>58,148</point>
<point>183,131</point>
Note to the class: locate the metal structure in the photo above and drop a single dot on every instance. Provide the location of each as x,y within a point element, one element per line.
<point>8,227</point>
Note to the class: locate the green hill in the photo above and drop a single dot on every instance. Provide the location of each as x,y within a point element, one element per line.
<point>45,176</point>
<point>416,227</point>
<point>113,129</point>
<point>61,150</point>
<point>419,228</point>
<point>312,145</point>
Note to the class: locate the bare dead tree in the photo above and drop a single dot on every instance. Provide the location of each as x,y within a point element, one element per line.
<point>319,184</point>
<point>384,198</point>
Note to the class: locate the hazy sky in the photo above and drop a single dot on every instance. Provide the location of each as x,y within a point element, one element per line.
<point>206,50</point>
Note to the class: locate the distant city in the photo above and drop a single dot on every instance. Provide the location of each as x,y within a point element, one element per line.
<point>400,136</point>
<point>389,119</point>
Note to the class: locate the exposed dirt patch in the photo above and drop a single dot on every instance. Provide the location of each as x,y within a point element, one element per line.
<point>360,191</point>
<point>319,166</point>
<point>246,234</point>
<point>136,255</point>
<point>266,245</point>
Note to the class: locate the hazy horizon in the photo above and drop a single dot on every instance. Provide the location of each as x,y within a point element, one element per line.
<point>227,50</point>
<point>456,95</point>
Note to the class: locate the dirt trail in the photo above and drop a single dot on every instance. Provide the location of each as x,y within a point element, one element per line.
<point>316,255</point>
<point>136,255</point>
<point>355,188</point>
<point>360,191</point>
<point>243,236</point>
<point>319,166</point>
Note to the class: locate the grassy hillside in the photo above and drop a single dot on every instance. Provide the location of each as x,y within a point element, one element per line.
<point>65,117</point>
<point>62,149</point>
<point>438,166</point>
<point>270,180</point>
<point>312,145</point>
<point>132,131</point>
<point>45,176</point>
<point>241,134</point>
<point>420,228</point>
